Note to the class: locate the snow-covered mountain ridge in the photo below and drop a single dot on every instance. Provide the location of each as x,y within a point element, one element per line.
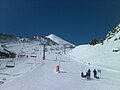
<point>48,40</point>
<point>114,34</point>
<point>59,40</point>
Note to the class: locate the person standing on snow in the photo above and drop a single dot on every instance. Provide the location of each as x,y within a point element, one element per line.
<point>88,72</point>
<point>95,73</point>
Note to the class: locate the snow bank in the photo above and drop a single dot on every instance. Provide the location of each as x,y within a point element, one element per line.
<point>98,55</point>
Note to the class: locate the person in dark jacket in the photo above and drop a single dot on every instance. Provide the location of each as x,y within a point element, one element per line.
<point>82,74</point>
<point>88,74</point>
<point>95,73</point>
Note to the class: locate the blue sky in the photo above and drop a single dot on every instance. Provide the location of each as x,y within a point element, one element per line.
<point>77,21</point>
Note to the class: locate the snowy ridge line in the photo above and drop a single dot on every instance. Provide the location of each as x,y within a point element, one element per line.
<point>59,40</point>
<point>84,62</point>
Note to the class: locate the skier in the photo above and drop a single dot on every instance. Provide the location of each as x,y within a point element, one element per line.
<point>27,56</point>
<point>95,73</point>
<point>88,74</point>
<point>82,74</point>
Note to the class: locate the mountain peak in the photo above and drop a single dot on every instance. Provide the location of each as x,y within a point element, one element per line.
<point>59,40</point>
<point>52,36</point>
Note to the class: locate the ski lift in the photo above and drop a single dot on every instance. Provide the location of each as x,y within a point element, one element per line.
<point>10,64</point>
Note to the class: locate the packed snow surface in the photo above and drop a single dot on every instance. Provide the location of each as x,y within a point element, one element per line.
<point>34,73</point>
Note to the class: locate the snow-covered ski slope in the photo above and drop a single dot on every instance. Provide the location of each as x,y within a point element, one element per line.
<point>33,73</point>
<point>98,55</point>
